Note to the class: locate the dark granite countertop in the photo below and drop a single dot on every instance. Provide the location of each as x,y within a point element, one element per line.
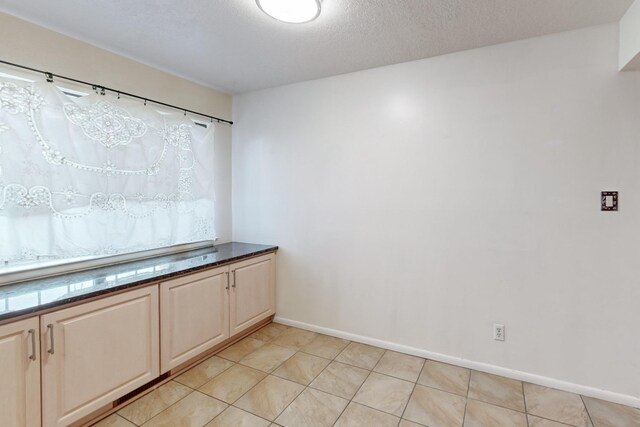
<point>42,294</point>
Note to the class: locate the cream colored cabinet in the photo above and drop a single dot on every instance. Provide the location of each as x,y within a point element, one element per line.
<point>20,374</point>
<point>64,366</point>
<point>96,352</point>
<point>252,292</point>
<point>194,315</point>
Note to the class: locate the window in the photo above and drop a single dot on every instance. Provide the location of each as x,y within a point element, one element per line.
<point>85,176</point>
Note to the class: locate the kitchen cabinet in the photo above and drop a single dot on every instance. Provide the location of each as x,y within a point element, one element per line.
<point>202,310</point>
<point>69,364</point>
<point>96,352</point>
<point>252,297</point>
<point>20,374</point>
<point>194,315</point>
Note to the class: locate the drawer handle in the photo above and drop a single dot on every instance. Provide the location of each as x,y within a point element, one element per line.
<point>32,333</point>
<point>234,280</point>
<point>50,329</point>
<point>227,287</point>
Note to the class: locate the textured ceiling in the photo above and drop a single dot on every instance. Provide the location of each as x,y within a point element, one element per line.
<point>232,46</point>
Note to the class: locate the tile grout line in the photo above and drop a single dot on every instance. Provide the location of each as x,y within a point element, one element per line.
<point>466,400</point>
<point>371,371</point>
<point>224,403</point>
<point>303,390</point>
<point>447,363</point>
<point>548,419</point>
<point>181,399</point>
<point>243,410</point>
<point>415,384</point>
<point>408,400</point>
<point>250,388</point>
<point>379,360</point>
<point>399,378</point>
<point>238,361</point>
<point>290,403</point>
<point>349,401</point>
<point>174,403</point>
<point>255,385</point>
<point>526,411</point>
<point>324,369</point>
<point>271,373</point>
<point>126,420</point>
<point>308,386</point>
<point>586,408</point>
<point>356,366</point>
<point>233,404</point>
<point>266,376</point>
<point>354,394</point>
<point>499,405</point>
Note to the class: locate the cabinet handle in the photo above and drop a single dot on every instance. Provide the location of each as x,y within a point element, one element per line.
<point>227,287</point>
<point>234,280</point>
<point>50,329</point>
<point>32,332</point>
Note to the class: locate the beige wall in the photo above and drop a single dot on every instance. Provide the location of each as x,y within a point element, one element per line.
<point>31,45</point>
<point>35,46</point>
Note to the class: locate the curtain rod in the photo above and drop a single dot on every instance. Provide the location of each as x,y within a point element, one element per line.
<point>94,86</point>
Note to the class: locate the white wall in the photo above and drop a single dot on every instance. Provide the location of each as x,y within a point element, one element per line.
<point>629,58</point>
<point>420,203</point>
<point>24,43</point>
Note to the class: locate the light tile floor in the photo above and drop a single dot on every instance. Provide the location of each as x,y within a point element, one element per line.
<point>282,376</point>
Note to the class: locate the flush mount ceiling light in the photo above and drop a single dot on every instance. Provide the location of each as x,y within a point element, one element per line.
<point>291,11</point>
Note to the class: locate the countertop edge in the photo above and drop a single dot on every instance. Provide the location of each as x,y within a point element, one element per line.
<point>60,304</point>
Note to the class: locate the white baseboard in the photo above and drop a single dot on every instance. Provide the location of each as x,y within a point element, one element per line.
<point>478,366</point>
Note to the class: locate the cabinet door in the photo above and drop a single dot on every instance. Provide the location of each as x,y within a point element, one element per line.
<point>252,292</point>
<point>194,315</point>
<point>96,352</point>
<point>20,374</point>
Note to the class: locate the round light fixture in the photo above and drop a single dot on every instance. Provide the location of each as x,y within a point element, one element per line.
<point>291,11</point>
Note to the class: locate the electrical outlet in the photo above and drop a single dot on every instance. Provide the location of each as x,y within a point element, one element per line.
<point>498,332</point>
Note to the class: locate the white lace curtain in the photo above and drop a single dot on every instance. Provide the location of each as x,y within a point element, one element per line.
<point>97,175</point>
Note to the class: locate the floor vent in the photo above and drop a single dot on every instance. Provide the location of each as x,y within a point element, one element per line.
<point>139,390</point>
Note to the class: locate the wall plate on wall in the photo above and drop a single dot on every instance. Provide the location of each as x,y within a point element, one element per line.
<point>609,201</point>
